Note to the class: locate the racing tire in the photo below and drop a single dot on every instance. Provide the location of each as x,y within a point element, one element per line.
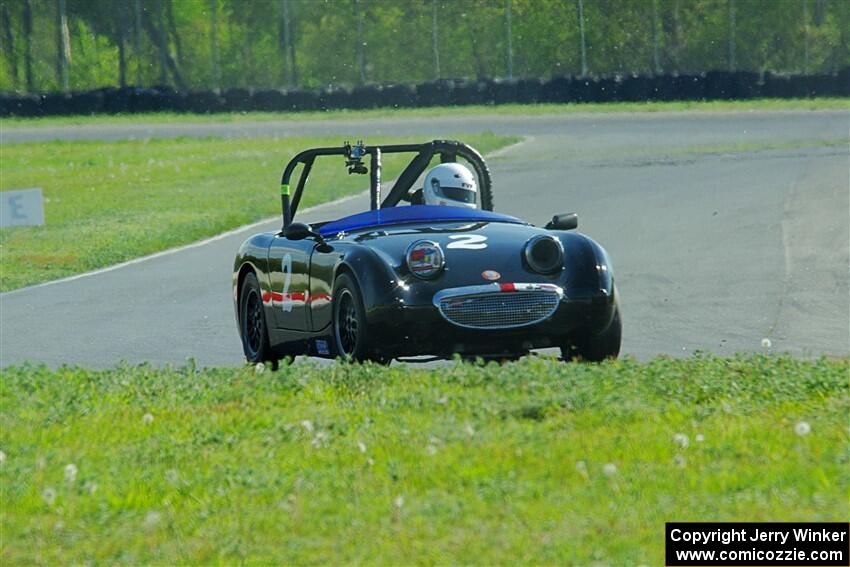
<point>350,335</point>
<point>252,323</point>
<point>596,348</point>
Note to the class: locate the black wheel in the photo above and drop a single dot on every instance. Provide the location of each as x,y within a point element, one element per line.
<point>596,348</point>
<point>350,338</point>
<point>252,321</point>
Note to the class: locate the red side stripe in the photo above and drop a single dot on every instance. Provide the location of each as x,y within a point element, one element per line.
<point>296,296</point>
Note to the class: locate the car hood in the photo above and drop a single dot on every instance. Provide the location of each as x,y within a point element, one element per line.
<point>470,250</point>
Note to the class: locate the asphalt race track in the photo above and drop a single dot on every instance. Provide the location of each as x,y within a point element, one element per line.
<point>725,229</point>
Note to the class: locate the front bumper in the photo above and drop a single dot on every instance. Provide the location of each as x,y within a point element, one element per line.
<point>413,330</point>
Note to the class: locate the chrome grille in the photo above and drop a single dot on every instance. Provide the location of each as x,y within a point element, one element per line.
<point>499,310</point>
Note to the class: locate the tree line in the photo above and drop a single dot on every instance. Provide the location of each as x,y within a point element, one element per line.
<point>70,45</point>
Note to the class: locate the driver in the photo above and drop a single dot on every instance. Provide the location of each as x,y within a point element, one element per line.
<point>450,184</point>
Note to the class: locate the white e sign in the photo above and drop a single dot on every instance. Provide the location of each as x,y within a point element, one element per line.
<point>24,207</point>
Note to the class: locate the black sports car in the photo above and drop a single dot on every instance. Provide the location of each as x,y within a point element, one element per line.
<point>406,280</point>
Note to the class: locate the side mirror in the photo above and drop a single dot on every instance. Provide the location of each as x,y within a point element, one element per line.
<point>298,231</point>
<point>566,221</point>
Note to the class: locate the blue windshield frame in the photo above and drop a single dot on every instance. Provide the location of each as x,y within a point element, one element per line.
<point>410,215</point>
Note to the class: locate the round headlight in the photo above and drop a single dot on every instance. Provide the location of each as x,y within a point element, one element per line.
<point>544,254</point>
<point>425,259</point>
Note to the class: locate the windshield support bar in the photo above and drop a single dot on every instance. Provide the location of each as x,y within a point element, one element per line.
<point>410,174</point>
<point>375,180</point>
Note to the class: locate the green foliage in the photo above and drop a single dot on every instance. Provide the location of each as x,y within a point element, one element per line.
<point>692,36</point>
<point>536,462</point>
<point>106,202</point>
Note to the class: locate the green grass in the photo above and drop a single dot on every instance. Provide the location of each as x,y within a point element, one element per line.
<point>461,464</point>
<point>106,202</point>
<point>516,109</point>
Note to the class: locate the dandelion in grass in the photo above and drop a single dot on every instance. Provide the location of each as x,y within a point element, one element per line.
<point>681,440</point>
<point>147,419</point>
<point>70,472</point>
<point>90,487</point>
<point>802,428</point>
<point>581,467</point>
<point>679,461</point>
<point>319,439</point>
<point>765,343</point>
<point>2,458</point>
<point>307,425</point>
<point>699,438</point>
<point>152,519</point>
<point>259,368</point>
<point>610,469</point>
<point>361,446</point>
<point>399,502</point>
<point>469,430</point>
<point>49,496</point>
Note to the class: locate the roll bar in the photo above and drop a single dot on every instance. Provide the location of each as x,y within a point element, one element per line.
<point>448,150</point>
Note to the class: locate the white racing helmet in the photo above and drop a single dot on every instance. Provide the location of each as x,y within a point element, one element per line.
<point>450,184</point>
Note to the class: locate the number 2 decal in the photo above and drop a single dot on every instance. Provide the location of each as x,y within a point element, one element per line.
<point>468,241</point>
<point>286,268</point>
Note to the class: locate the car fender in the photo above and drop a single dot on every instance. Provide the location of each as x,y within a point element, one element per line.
<point>587,265</point>
<point>377,280</point>
<point>371,270</point>
<point>252,255</point>
<point>589,275</point>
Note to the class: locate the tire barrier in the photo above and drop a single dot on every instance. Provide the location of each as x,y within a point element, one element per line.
<point>714,85</point>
